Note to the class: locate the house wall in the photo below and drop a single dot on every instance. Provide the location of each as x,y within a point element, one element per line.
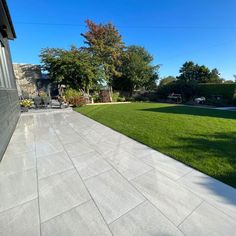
<point>9,103</point>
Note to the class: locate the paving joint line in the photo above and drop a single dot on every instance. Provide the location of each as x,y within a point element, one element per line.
<point>18,205</point>
<point>37,179</point>
<point>64,212</point>
<point>190,213</point>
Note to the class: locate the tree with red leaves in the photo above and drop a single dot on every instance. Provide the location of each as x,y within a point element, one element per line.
<point>105,43</point>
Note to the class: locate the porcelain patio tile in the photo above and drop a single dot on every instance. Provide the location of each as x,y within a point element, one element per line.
<point>144,220</point>
<point>53,164</point>
<point>60,193</point>
<point>207,220</point>
<point>17,188</point>
<point>82,220</point>
<point>127,165</point>
<point>89,166</point>
<point>22,220</point>
<point>113,195</point>
<point>172,199</point>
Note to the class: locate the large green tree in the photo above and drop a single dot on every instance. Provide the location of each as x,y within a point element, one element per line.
<point>137,70</point>
<point>75,68</point>
<point>167,80</point>
<point>199,73</point>
<point>105,43</point>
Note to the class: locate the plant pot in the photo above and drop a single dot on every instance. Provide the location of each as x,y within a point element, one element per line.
<point>24,109</point>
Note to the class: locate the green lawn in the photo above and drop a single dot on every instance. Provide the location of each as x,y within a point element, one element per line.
<point>202,138</point>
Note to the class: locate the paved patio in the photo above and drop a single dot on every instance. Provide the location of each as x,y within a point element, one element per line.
<point>65,174</point>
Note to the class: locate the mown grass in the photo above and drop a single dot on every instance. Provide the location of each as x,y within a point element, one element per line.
<point>202,138</point>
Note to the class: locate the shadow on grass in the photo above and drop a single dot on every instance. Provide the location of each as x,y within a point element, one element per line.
<point>185,110</point>
<point>216,156</point>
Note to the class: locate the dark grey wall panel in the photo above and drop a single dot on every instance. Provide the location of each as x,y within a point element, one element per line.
<point>9,114</point>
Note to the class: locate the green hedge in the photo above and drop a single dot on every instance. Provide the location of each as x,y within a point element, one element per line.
<point>227,91</point>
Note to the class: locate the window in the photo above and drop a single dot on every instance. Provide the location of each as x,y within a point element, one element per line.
<point>5,80</point>
<point>2,84</point>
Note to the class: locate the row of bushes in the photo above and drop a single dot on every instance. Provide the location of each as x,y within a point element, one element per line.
<point>227,91</point>
<point>216,94</point>
<point>188,90</point>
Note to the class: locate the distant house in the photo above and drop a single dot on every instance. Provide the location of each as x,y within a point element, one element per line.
<point>9,105</point>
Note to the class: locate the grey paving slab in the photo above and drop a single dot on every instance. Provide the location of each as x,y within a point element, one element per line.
<point>90,136</point>
<point>137,149</point>
<point>60,193</point>
<point>71,138</point>
<point>126,164</point>
<point>171,198</point>
<point>22,147</point>
<point>22,220</point>
<point>114,137</point>
<point>166,165</point>
<point>47,147</point>
<point>17,188</point>
<point>207,220</point>
<point>20,136</point>
<point>144,220</point>
<point>77,148</point>
<point>90,165</point>
<point>63,128</point>
<point>82,220</point>
<point>106,147</point>
<point>53,164</point>
<point>220,195</point>
<point>113,195</point>
<point>11,164</point>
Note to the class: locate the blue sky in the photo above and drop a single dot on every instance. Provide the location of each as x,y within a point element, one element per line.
<point>173,31</point>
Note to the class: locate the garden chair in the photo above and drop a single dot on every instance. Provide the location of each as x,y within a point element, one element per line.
<point>38,102</point>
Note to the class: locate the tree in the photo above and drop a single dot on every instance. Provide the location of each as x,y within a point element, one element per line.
<point>75,68</point>
<point>137,70</point>
<point>167,80</point>
<point>105,43</point>
<point>201,74</point>
<point>215,76</point>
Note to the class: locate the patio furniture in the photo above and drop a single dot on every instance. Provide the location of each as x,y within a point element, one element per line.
<point>46,101</point>
<point>38,102</point>
<point>176,98</point>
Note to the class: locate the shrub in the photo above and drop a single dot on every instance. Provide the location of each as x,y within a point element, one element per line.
<point>70,93</point>
<point>115,96</point>
<point>234,98</point>
<point>120,99</point>
<point>74,97</point>
<point>146,96</point>
<point>96,98</point>
<point>26,103</point>
<point>77,101</point>
<point>42,94</point>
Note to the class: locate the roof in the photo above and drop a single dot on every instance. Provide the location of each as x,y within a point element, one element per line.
<point>5,20</point>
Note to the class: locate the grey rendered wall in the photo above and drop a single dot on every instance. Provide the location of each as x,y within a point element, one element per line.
<point>9,109</point>
<point>9,113</point>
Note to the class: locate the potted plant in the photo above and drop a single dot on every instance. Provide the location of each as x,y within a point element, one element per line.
<point>25,104</point>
